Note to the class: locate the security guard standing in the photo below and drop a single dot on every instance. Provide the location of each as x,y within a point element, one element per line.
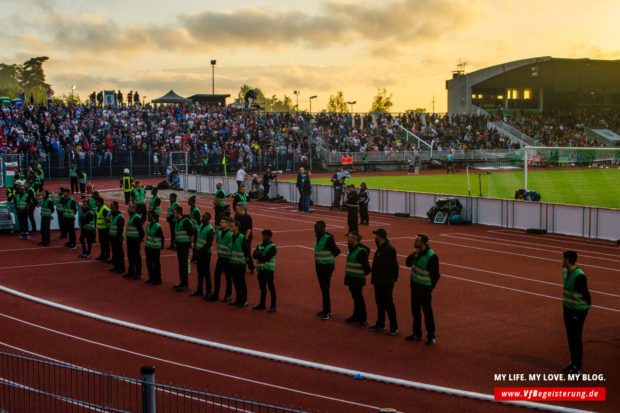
<point>352,204</point>
<point>224,242</point>
<point>135,235</point>
<point>60,208</point>
<point>32,204</point>
<point>195,218</point>
<point>139,197</point>
<point>238,252</point>
<point>265,255</point>
<point>384,274</point>
<point>87,230</point>
<point>576,302</point>
<point>126,185</point>
<point>356,270</point>
<point>47,211</point>
<point>219,199</point>
<point>155,204</point>
<point>103,229</point>
<point>203,247</point>
<point>170,217</point>
<point>325,253</point>
<point>245,227</point>
<point>183,233</point>
<point>240,198</point>
<point>92,201</point>
<point>68,214</point>
<point>364,200</point>
<point>117,233</point>
<point>82,180</point>
<point>21,205</point>
<point>337,186</point>
<point>73,175</point>
<point>424,265</point>
<point>154,245</point>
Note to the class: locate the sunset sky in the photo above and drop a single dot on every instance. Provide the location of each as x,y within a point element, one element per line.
<point>409,47</point>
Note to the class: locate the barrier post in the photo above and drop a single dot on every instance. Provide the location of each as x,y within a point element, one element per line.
<point>148,389</point>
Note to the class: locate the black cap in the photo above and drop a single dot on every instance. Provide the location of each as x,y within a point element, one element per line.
<point>267,232</point>
<point>351,185</point>
<point>380,232</point>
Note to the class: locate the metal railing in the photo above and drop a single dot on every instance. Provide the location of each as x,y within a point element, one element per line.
<point>418,139</point>
<point>33,385</point>
<point>512,133</point>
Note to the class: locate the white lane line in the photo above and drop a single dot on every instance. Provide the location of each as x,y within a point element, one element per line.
<point>272,356</point>
<point>559,238</point>
<point>84,261</point>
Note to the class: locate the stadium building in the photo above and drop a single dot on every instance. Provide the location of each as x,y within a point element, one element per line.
<point>539,84</point>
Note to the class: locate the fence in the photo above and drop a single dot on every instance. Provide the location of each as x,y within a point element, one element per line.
<point>32,385</point>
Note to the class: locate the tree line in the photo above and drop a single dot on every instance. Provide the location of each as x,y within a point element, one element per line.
<point>28,77</point>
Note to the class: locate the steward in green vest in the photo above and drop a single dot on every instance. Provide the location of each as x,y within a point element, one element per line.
<point>576,301</point>
<point>73,175</point>
<point>32,204</point>
<point>126,185</point>
<point>203,248</point>
<point>60,207</point>
<point>155,204</point>
<point>82,181</point>
<point>219,199</point>
<point>424,265</point>
<point>87,230</point>
<point>184,232</point>
<point>116,222</point>
<point>92,201</point>
<point>47,211</point>
<point>325,253</point>
<point>224,243</point>
<point>21,205</point>
<point>139,197</point>
<point>265,255</point>
<point>194,216</point>
<point>356,269</point>
<point>135,235</point>
<point>240,199</point>
<point>170,218</point>
<point>69,211</point>
<point>103,229</point>
<point>238,251</point>
<point>154,245</point>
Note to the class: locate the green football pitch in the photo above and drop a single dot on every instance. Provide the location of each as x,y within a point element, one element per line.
<point>591,187</point>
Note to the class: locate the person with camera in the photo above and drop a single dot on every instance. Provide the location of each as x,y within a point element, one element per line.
<point>337,184</point>
<point>268,176</point>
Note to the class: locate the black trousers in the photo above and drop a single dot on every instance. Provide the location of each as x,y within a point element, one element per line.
<point>74,184</point>
<point>337,198</point>
<point>203,267</point>
<point>385,303</point>
<point>352,221</point>
<point>359,305</point>
<point>45,230</point>
<point>153,264</point>
<point>183,257</point>
<point>421,298</point>
<point>324,274</point>
<point>82,188</point>
<point>248,258</point>
<point>118,255</point>
<point>171,225</point>
<point>238,278</point>
<point>62,226</point>
<point>134,257</point>
<point>127,197</point>
<point>22,218</point>
<point>300,203</point>
<point>573,321</point>
<point>33,223</point>
<point>364,219</point>
<point>265,280</point>
<point>70,228</point>
<point>104,242</point>
<point>86,239</point>
<point>141,209</point>
<point>221,267</point>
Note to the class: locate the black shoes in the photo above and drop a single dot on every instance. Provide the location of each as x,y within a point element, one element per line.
<point>393,331</point>
<point>196,294</point>
<point>414,337</point>
<point>243,305</point>
<point>325,316</point>
<point>377,327</point>
<point>109,261</point>
<point>351,320</point>
<point>211,297</point>
<point>259,307</point>
<point>135,277</point>
<point>180,288</point>
<point>227,299</point>
<point>272,309</point>
<point>363,323</point>
<point>571,369</point>
<point>128,275</point>
<point>430,341</point>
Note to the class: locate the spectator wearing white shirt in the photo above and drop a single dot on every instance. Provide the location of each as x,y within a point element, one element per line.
<point>241,173</point>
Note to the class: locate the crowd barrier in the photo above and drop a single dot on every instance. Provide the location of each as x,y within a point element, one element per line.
<point>582,221</point>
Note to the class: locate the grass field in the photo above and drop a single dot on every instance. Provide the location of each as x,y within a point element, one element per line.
<point>591,187</point>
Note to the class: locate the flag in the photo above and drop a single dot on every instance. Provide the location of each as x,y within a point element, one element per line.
<point>224,161</point>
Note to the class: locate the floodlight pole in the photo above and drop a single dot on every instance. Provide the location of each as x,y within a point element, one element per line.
<point>213,62</point>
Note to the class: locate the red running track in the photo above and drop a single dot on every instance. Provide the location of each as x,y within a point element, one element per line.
<point>497,310</point>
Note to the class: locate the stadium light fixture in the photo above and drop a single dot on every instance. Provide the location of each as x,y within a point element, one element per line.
<point>352,102</point>
<point>213,62</point>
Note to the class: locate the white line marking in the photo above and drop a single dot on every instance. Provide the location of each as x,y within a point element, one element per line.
<point>277,357</point>
<point>558,237</point>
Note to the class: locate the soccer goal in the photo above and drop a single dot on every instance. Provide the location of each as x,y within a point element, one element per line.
<point>180,159</point>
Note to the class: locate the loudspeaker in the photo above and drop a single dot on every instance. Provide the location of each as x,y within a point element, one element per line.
<point>537,231</point>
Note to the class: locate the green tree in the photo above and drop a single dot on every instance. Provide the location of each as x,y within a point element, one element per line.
<point>382,102</point>
<point>336,103</point>
<point>9,80</point>
<point>32,78</point>
<point>246,88</point>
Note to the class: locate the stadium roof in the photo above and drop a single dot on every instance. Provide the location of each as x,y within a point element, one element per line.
<point>541,72</point>
<point>171,97</point>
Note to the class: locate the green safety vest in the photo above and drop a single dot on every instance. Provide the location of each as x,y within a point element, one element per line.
<point>269,265</point>
<point>91,224</point>
<point>32,192</point>
<point>60,206</point>
<point>572,299</point>
<point>354,268</point>
<point>22,201</point>
<point>237,256</point>
<point>321,254</point>
<point>46,210</point>
<point>180,235</point>
<point>114,224</point>
<point>73,172</point>
<point>139,196</point>
<point>126,183</point>
<point>171,208</point>
<point>41,174</point>
<point>152,207</point>
<point>242,201</point>
<point>132,230</point>
<point>223,244</point>
<point>201,236</point>
<point>151,240</point>
<point>68,210</point>
<point>219,202</point>
<point>419,273</point>
<point>101,223</point>
<point>83,178</point>
<point>92,203</point>
<point>192,216</point>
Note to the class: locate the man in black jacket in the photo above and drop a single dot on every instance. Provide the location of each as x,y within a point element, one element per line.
<point>424,265</point>
<point>325,253</point>
<point>337,183</point>
<point>299,185</point>
<point>384,275</point>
